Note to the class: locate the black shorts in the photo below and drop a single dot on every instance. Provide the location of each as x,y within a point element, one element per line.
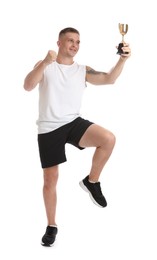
<point>52,144</point>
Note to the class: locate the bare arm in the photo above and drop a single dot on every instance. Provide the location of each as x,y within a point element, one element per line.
<point>103,78</point>
<point>36,75</point>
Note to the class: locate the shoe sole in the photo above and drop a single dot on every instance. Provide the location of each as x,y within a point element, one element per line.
<point>90,194</point>
<point>47,245</point>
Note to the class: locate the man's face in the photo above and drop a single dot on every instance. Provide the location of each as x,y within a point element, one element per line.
<point>69,44</point>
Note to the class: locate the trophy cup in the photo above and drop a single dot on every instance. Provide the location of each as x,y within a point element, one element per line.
<point>123,28</point>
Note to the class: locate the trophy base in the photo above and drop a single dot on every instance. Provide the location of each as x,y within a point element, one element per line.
<point>120,51</point>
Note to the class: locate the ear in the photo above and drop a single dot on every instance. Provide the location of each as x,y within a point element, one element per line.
<point>58,43</point>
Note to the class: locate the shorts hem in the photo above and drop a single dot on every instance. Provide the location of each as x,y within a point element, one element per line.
<point>44,166</point>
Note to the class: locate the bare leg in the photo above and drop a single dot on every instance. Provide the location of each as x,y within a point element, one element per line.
<point>49,193</point>
<point>104,141</point>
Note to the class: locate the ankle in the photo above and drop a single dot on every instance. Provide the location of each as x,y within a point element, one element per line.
<point>92,179</point>
<point>50,225</point>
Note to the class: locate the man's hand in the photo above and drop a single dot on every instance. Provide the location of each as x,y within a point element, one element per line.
<point>50,57</point>
<point>127,51</point>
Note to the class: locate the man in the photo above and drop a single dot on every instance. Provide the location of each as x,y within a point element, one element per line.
<point>61,85</point>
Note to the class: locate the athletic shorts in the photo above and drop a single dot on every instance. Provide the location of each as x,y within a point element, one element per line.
<point>52,144</point>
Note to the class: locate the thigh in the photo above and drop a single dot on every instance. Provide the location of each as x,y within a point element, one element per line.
<point>76,130</point>
<point>95,136</point>
<point>52,148</point>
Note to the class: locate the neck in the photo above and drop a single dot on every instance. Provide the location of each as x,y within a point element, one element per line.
<point>64,60</point>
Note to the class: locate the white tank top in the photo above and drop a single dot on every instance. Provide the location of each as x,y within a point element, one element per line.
<point>60,95</point>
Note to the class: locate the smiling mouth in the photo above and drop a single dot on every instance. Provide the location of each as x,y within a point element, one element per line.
<point>74,50</point>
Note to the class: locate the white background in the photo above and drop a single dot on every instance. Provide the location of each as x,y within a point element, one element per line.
<point>127,228</point>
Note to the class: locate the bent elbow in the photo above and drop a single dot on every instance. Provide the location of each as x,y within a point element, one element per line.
<point>28,86</point>
<point>111,82</point>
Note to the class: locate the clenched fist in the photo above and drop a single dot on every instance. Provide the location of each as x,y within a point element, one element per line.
<point>50,57</point>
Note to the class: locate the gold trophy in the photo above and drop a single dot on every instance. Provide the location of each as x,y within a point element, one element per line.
<point>123,28</point>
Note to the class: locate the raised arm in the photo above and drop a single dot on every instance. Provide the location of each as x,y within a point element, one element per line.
<point>102,78</point>
<point>36,75</point>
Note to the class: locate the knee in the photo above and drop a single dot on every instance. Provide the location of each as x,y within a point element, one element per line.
<point>111,140</point>
<point>50,177</point>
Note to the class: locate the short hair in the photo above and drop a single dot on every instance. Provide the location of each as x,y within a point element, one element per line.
<point>68,29</point>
